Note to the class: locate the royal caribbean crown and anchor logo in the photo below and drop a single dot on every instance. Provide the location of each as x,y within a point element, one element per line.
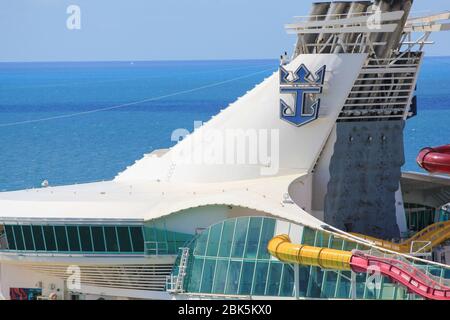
<point>304,87</point>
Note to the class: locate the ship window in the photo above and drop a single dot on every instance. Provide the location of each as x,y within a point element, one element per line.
<point>49,235</point>
<point>254,231</point>
<point>61,238</point>
<point>208,275</point>
<point>201,243</point>
<point>172,244</point>
<point>330,280</point>
<point>28,237</point>
<point>213,241</point>
<point>85,237</point>
<point>259,285</point>
<point>111,239</point>
<point>233,276</point>
<point>195,275</point>
<point>38,238</point>
<point>344,287</point>
<point>138,239</point>
<point>266,234</point>
<point>247,278</point>
<point>124,239</point>
<point>74,240</point>
<point>309,236</point>
<point>239,237</point>
<point>10,236</point>
<point>227,238</point>
<point>274,279</point>
<point>19,237</point>
<point>99,239</point>
<point>287,283</point>
<point>219,280</point>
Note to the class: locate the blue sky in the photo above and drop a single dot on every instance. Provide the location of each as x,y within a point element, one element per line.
<point>35,30</point>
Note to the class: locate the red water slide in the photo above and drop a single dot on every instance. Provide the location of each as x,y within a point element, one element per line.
<point>403,273</point>
<point>435,160</point>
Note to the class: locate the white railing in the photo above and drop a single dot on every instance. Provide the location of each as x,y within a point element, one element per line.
<point>156,248</point>
<point>175,284</point>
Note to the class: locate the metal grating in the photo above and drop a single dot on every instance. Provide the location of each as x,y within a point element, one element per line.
<point>383,90</point>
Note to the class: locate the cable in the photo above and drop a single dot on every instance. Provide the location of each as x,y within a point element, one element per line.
<point>134,102</point>
<point>64,85</point>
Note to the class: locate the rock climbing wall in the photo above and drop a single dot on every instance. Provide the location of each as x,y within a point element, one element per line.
<point>365,171</point>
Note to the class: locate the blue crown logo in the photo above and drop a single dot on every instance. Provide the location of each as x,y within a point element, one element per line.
<point>301,84</point>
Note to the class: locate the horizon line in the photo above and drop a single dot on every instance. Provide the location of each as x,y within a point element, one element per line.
<point>166,60</point>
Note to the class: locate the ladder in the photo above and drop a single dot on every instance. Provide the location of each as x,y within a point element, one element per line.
<point>175,283</point>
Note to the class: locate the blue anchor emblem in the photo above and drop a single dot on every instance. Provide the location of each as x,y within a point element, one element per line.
<point>300,84</point>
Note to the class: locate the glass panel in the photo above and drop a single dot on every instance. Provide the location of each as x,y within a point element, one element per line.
<point>245,286</point>
<point>111,239</point>
<point>259,285</point>
<point>85,237</point>
<point>28,237</point>
<point>308,236</point>
<point>227,238</point>
<point>137,237</point>
<point>287,283</point>
<point>239,237</point>
<point>233,276</point>
<point>360,285</point>
<point>315,282</point>
<point>49,235</point>
<point>266,235</point>
<point>254,231</point>
<point>61,238</point>
<point>213,241</point>
<point>323,239</point>
<point>124,239</point>
<point>220,277</point>
<point>10,235</point>
<point>274,278</point>
<point>303,279</point>
<point>98,239</point>
<point>202,241</point>
<point>38,238</point>
<point>337,243</point>
<point>343,290</point>
<point>74,240</point>
<point>19,237</point>
<point>208,275</point>
<point>195,275</point>
<point>161,235</point>
<point>150,234</point>
<point>330,284</point>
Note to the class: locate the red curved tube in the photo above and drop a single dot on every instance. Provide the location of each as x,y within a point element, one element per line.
<point>403,273</point>
<point>435,160</point>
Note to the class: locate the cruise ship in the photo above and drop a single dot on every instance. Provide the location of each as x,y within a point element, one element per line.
<point>294,191</point>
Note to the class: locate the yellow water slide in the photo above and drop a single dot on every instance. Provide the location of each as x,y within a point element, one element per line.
<point>282,248</point>
<point>423,241</point>
<point>399,271</point>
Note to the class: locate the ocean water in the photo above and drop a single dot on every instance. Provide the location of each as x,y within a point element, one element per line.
<point>48,130</point>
